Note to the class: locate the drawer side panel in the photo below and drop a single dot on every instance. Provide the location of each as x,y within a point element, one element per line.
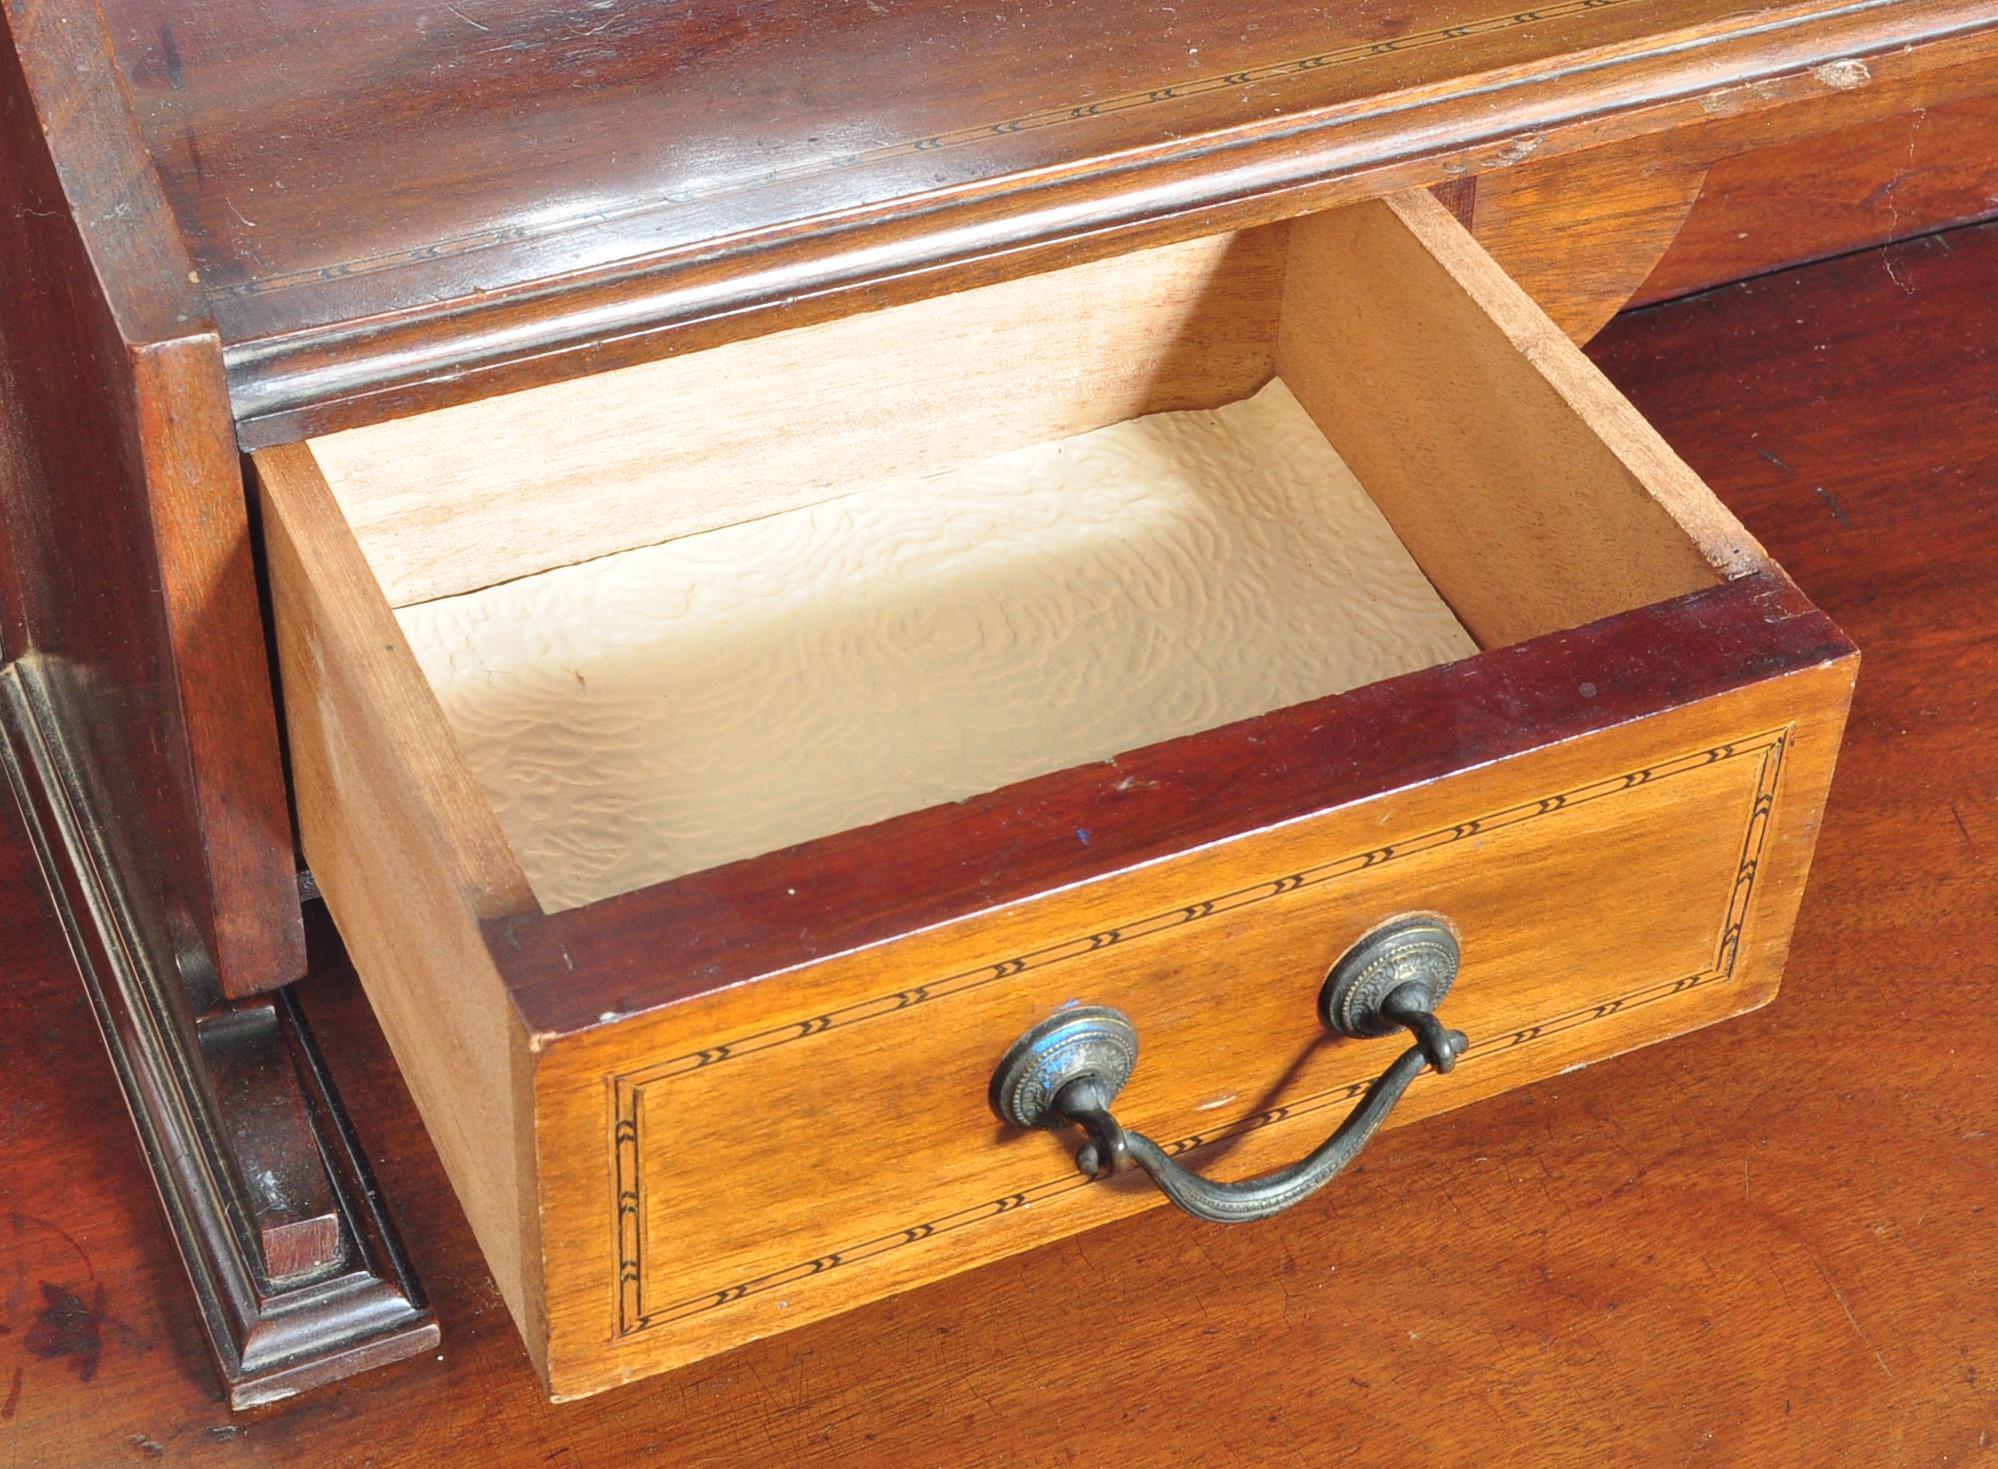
<point>408,860</point>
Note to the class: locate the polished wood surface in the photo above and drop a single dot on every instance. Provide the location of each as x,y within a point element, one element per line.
<point>137,731</point>
<point>122,519</point>
<point>390,206</point>
<point>209,122</point>
<point>294,1271</point>
<point>669,174</point>
<point>1670,213</point>
<point>1768,1243</point>
<point>1832,192</point>
<point>132,155</point>
<point>792,1155</point>
<point>643,129</point>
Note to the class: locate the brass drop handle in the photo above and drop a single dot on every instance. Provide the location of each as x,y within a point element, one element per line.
<point>1067,1070</point>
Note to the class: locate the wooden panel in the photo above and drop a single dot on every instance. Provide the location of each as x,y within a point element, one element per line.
<point>126,528</point>
<point>544,149</point>
<point>455,500</point>
<point>1586,512</point>
<point>876,1165</point>
<point>1531,494</point>
<point>406,852</point>
<point>458,499</point>
<point>674,708</point>
<point>764,131</point>
<point>1842,190</point>
<point>384,800</point>
<point>1651,217</point>
<point>1580,234</point>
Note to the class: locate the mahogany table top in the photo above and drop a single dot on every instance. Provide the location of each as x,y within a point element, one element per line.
<point>1771,1242</point>
<point>328,162</point>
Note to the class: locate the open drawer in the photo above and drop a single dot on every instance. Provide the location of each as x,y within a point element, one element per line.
<point>706,1055</point>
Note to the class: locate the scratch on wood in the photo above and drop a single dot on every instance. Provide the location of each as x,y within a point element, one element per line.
<point>1843,75</point>
<point>1831,503</point>
<point>1968,841</point>
<point>1857,1330</point>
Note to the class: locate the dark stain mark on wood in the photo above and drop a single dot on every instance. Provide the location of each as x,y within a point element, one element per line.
<point>69,1330</point>
<point>12,1404</point>
<point>176,72</point>
<point>1831,504</point>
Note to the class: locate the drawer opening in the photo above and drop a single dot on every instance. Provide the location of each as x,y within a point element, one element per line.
<point>700,610</point>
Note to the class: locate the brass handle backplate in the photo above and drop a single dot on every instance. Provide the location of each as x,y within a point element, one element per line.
<point>1066,1072</point>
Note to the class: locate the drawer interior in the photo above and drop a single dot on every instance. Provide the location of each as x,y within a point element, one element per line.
<point>664,710</point>
<point>703,609</point>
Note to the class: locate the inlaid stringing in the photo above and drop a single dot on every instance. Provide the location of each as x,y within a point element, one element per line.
<point>627,1091</point>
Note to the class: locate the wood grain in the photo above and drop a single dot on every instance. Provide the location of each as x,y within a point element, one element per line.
<point>707,931</point>
<point>365,268</point>
<point>1805,199</point>
<point>917,1181</point>
<point>127,536</point>
<point>1531,494</point>
<point>459,499</point>
<point>405,849</point>
<point>1581,234</point>
<point>1770,1242</point>
<point>1755,92</point>
<point>1879,160</point>
<point>455,500</point>
<point>366,258</point>
<point>448,501</point>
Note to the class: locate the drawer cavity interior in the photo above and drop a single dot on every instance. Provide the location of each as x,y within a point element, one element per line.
<point>699,610</point>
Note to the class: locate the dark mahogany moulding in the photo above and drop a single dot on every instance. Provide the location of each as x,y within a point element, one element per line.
<point>676,940</point>
<point>392,210</point>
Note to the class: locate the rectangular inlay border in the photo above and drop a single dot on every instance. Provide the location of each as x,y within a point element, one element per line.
<point>627,1090</point>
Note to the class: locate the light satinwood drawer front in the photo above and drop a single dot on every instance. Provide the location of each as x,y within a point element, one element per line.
<point>693,1103</point>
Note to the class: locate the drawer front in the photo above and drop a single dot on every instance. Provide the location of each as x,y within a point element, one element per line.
<point>738,1167</point>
